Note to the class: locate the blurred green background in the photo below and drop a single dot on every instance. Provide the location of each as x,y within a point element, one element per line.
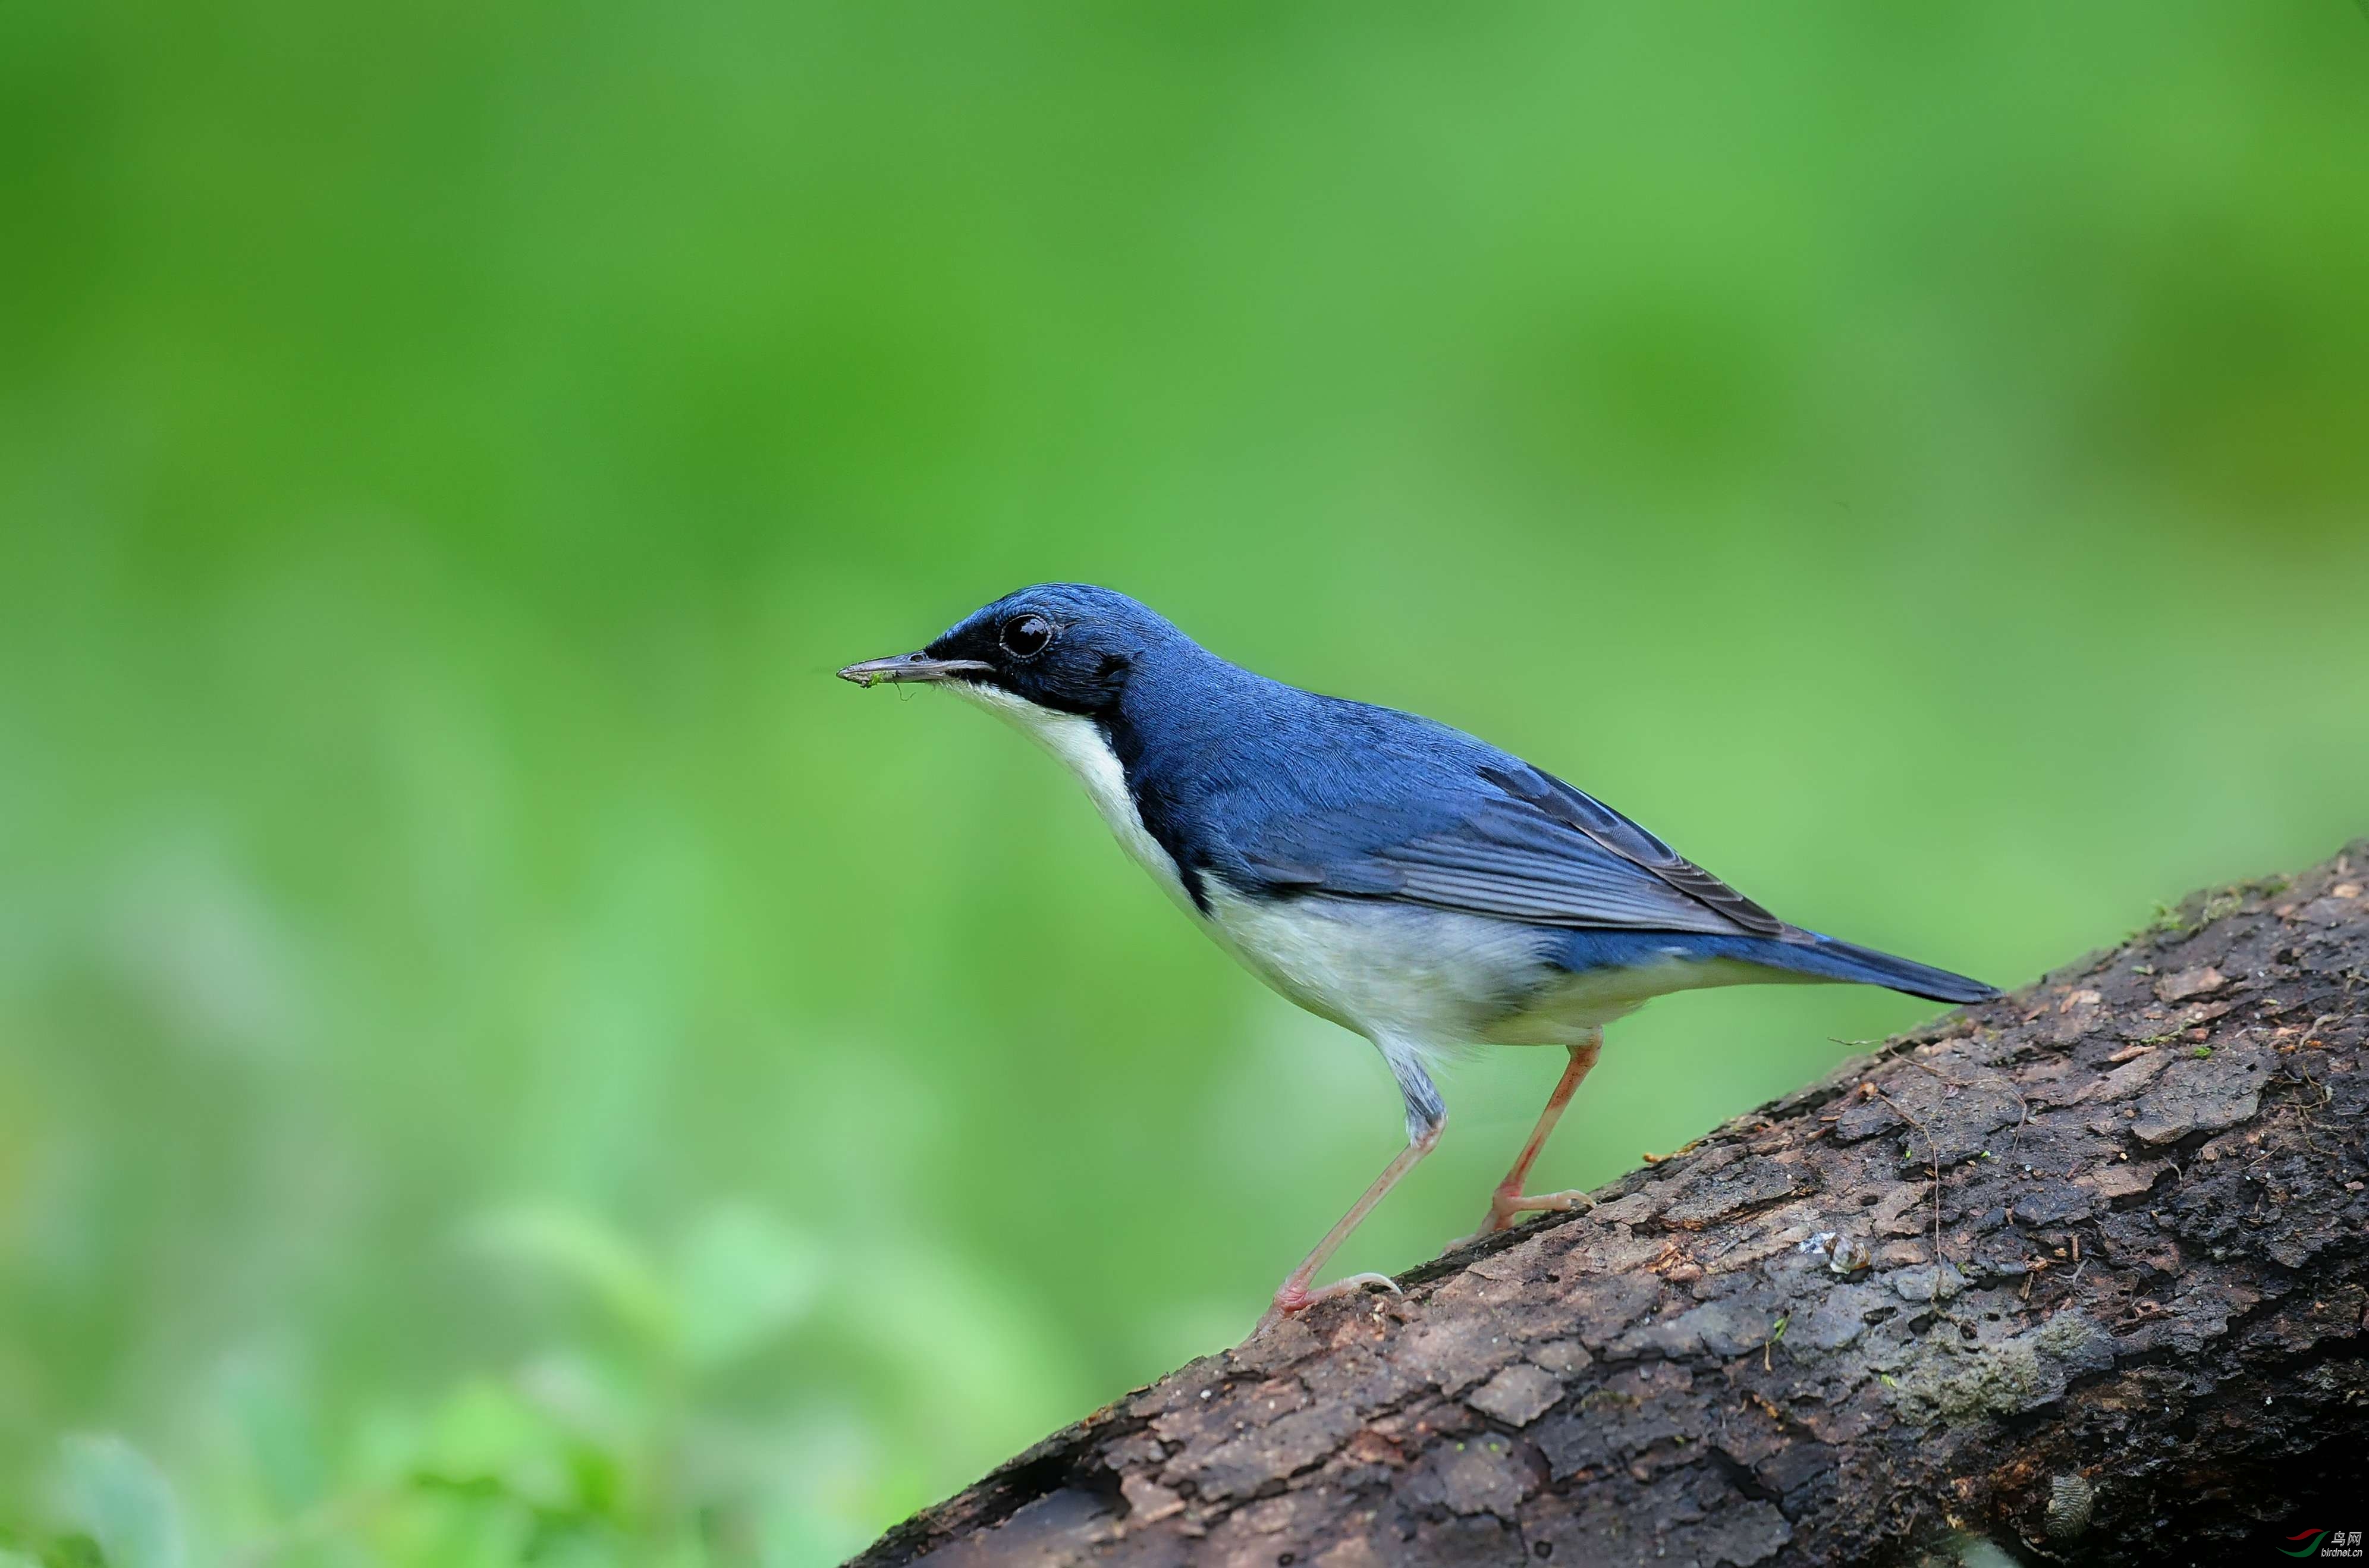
<point>502,1056</point>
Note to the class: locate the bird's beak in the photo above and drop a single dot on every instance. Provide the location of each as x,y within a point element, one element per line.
<point>910,667</point>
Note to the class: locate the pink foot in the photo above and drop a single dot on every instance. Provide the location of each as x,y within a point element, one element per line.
<point>1506,1210</point>
<point>1295,1299</point>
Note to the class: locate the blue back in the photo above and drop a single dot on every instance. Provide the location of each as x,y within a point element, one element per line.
<point>1280,791</point>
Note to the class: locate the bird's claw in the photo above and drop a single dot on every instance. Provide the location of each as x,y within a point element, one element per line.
<point>1506,1210</point>
<point>1294,1300</point>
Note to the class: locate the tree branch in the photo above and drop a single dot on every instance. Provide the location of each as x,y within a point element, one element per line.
<point>2082,1270</point>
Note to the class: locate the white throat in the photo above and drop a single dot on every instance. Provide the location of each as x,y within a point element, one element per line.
<point>1080,747</point>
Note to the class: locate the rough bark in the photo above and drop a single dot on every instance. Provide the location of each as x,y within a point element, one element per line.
<point>2143,1340</point>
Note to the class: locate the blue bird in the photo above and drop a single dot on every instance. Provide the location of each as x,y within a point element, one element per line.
<point>1399,877</point>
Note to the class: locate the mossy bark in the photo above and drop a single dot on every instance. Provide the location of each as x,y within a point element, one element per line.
<point>2083,1271</point>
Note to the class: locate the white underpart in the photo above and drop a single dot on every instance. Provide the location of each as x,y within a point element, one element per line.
<point>1080,746</point>
<point>1435,979</point>
<point>1414,980</point>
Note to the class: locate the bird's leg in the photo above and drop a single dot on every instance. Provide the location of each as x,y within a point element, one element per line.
<point>1294,1295</point>
<point>1509,1200</point>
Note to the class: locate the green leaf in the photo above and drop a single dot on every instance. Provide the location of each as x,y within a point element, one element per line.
<point>112,1489</point>
<point>484,1438</point>
<point>263,1400</point>
<point>743,1278</point>
<point>586,1251</point>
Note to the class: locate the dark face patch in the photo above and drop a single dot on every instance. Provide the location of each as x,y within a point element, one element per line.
<point>1058,648</point>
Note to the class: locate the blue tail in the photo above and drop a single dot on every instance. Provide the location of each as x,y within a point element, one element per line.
<point>1820,957</point>
<point>1823,955</point>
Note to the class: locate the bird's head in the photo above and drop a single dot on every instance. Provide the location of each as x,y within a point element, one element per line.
<point>1066,646</point>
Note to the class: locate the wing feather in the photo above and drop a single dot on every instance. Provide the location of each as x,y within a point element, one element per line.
<point>1523,846</point>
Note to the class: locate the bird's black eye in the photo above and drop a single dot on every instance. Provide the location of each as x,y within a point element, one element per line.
<point>1024,637</point>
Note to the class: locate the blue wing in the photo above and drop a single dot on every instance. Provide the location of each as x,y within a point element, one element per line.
<point>1480,832</point>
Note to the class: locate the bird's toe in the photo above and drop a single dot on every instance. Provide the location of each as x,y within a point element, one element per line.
<point>1294,1300</point>
<point>1506,1209</point>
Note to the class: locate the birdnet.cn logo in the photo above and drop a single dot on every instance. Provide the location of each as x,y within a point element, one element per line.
<point>2323,1544</point>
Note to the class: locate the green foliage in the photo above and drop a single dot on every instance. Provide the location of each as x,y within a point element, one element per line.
<point>123,1502</point>
<point>618,1446</point>
<point>501,1057</point>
